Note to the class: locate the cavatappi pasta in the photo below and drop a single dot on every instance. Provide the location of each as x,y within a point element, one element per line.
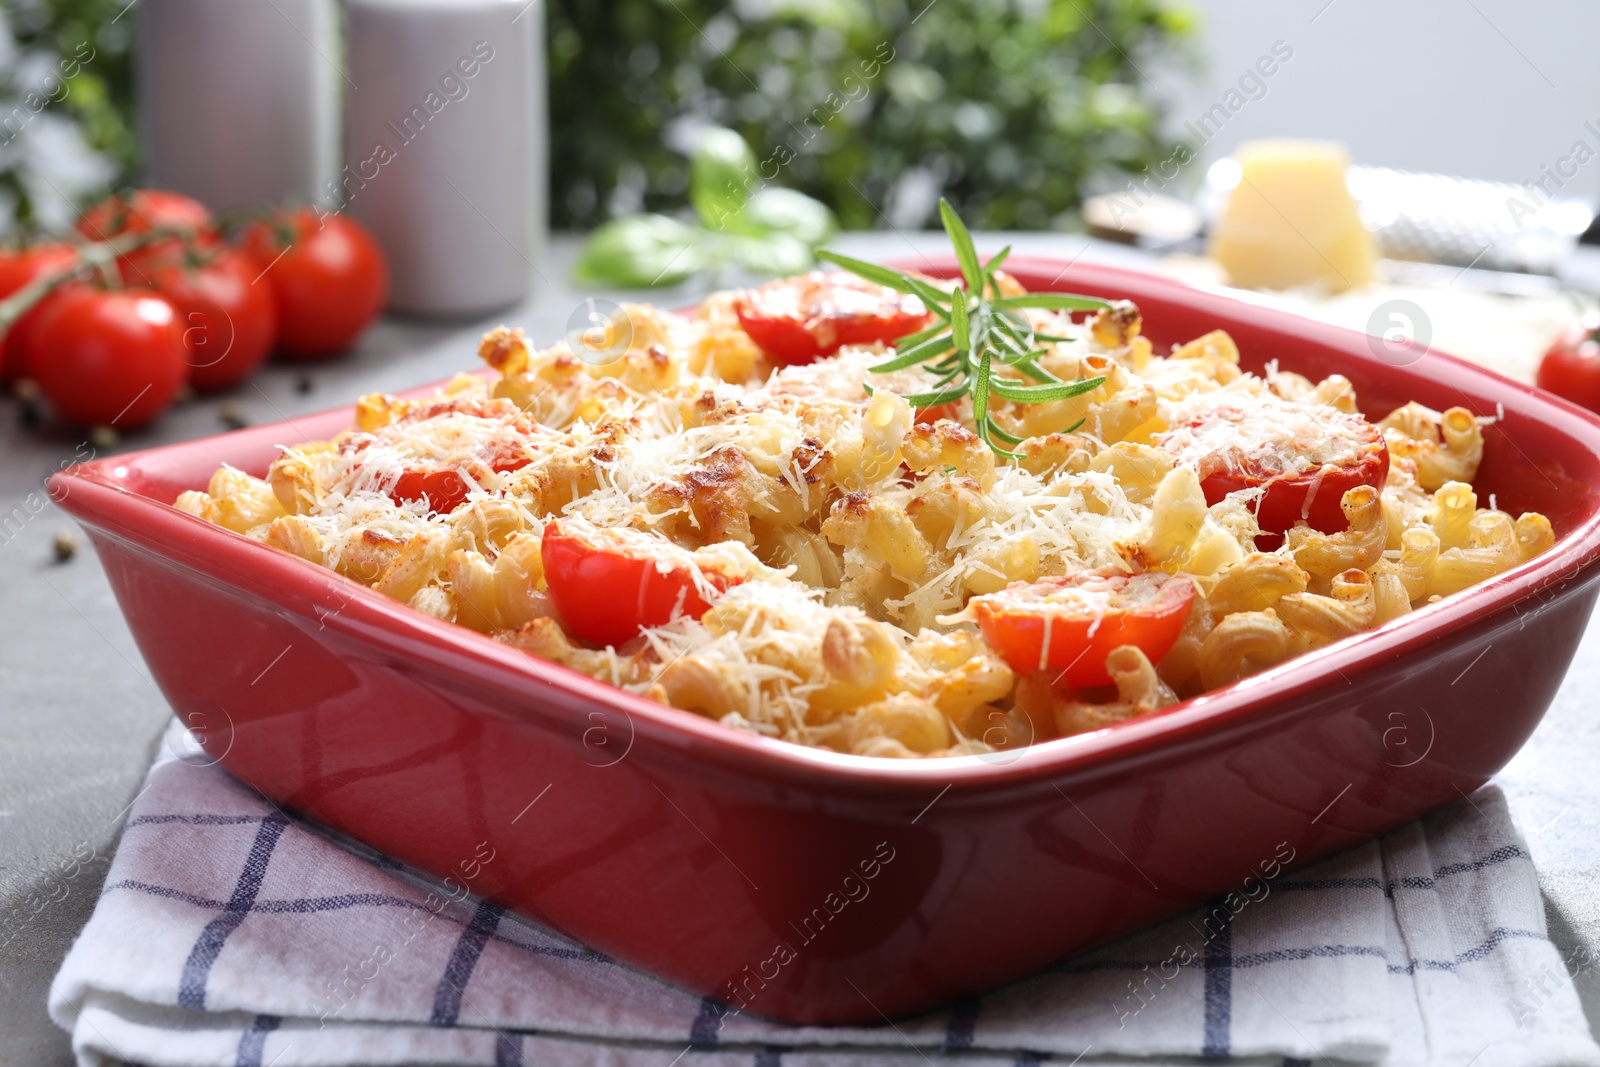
<point>774,548</point>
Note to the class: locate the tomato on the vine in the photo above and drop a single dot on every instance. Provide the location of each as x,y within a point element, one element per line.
<point>139,212</point>
<point>19,267</point>
<point>328,277</point>
<point>1068,625</point>
<point>228,325</point>
<point>108,358</point>
<point>1571,368</point>
<point>608,584</point>
<point>801,319</point>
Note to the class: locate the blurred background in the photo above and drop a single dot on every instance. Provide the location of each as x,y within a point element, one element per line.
<point>1438,187</point>
<point>1014,108</point>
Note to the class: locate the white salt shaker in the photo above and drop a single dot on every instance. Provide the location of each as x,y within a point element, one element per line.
<point>445,148</point>
<point>239,102</point>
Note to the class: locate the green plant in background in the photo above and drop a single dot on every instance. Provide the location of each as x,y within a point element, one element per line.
<point>1009,108</point>
<point>874,107</point>
<point>742,220</point>
<point>65,106</point>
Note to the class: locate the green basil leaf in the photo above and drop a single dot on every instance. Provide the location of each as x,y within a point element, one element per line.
<point>639,252</point>
<point>778,254</point>
<point>775,210</point>
<point>722,170</point>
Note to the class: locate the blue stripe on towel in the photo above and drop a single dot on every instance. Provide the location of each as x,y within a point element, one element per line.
<point>1476,952</point>
<point>463,961</point>
<point>707,1025</point>
<point>1219,985</point>
<point>196,969</point>
<point>254,1040</point>
<point>312,905</point>
<point>963,1025</point>
<point>508,1050</point>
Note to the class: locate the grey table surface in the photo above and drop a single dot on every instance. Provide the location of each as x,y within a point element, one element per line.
<point>80,718</point>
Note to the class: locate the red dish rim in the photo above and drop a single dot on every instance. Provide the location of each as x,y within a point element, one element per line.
<point>92,490</point>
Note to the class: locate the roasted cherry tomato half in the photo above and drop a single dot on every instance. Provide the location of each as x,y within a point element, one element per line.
<point>18,267</point>
<point>800,319</point>
<point>440,482</point>
<point>445,490</point>
<point>929,416</point>
<point>140,212</point>
<point>228,324</point>
<point>108,358</point>
<point>328,275</point>
<point>609,584</point>
<point>1571,368</point>
<point>1302,457</point>
<point>1067,626</point>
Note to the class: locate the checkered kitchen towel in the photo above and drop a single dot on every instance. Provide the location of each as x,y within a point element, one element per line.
<point>228,933</point>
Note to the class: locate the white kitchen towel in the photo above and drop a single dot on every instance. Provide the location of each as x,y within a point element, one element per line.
<point>229,932</point>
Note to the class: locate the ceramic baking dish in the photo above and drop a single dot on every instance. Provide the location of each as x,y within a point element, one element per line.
<point>816,887</point>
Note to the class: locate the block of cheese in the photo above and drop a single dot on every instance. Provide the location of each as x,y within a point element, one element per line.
<point>1291,220</point>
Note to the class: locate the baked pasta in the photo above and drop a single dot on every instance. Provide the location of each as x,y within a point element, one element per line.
<point>738,513</point>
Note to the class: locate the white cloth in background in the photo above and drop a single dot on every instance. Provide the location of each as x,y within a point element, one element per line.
<point>229,933</point>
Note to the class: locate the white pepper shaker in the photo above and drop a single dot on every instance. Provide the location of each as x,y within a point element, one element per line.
<point>445,157</point>
<point>239,102</point>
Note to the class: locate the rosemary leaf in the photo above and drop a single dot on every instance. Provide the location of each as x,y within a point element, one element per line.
<point>1051,302</point>
<point>932,297</point>
<point>976,328</point>
<point>961,240</point>
<point>993,265</point>
<point>1036,372</point>
<point>980,392</point>
<point>936,397</point>
<point>1041,394</point>
<point>996,431</point>
<point>959,324</point>
<point>918,353</point>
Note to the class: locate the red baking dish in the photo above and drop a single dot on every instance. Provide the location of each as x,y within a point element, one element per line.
<point>817,887</point>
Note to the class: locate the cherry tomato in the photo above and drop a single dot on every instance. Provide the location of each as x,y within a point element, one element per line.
<point>228,324</point>
<point>108,358</point>
<point>17,269</point>
<point>800,319</point>
<point>440,482</point>
<point>929,416</point>
<point>328,276</point>
<point>140,212</point>
<point>1571,368</point>
<point>1083,617</point>
<point>610,584</point>
<point>1303,457</point>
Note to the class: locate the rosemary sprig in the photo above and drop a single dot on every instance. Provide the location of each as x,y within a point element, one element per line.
<point>975,329</point>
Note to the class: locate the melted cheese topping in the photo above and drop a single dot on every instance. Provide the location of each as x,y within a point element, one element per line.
<point>1260,435</point>
<point>858,539</point>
